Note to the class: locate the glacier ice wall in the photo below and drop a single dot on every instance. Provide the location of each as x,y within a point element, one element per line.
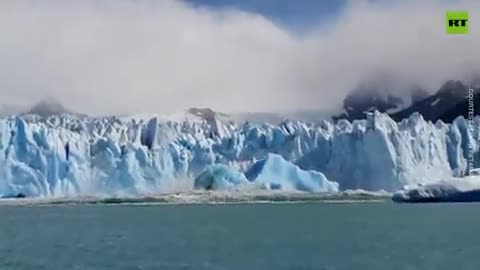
<point>69,155</point>
<point>271,173</point>
<point>220,177</point>
<point>275,173</point>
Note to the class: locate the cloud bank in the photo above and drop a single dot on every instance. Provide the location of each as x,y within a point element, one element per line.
<point>104,57</point>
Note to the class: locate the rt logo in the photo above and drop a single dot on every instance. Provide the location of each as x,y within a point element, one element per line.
<point>457,22</point>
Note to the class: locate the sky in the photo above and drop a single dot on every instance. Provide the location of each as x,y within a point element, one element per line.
<point>296,16</point>
<point>146,56</point>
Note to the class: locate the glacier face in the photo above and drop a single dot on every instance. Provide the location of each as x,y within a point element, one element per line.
<point>220,177</point>
<point>69,156</point>
<point>275,173</point>
<point>271,173</point>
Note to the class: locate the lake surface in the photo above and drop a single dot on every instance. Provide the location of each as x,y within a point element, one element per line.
<point>243,236</point>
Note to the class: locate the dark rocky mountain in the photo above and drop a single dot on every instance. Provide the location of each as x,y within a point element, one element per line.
<point>462,108</point>
<point>449,102</point>
<point>48,107</point>
<point>378,96</point>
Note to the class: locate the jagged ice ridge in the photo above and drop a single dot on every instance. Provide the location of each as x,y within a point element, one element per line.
<point>66,155</point>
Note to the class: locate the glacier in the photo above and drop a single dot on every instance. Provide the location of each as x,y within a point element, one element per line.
<point>220,177</point>
<point>275,173</point>
<point>271,173</point>
<point>68,155</point>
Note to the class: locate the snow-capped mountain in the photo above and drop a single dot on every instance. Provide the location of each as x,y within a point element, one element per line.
<point>48,107</point>
<point>449,102</point>
<point>446,104</point>
<point>274,118</point>
<point>44,108</point>
<point>379,95</point>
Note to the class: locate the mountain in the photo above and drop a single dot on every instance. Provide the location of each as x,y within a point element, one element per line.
<point>48,107</point>
<point>462,108</point>
<point>312,116</point>
<point>274,118</point>
<point>449,102</point>
<point>381,95</point>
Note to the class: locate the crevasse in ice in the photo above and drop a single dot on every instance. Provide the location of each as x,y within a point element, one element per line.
<point>68,155</point>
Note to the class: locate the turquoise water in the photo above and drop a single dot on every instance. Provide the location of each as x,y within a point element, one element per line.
<point>247,236</point>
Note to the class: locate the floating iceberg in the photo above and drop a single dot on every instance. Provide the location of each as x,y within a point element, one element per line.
<point>67,155</point>
<point>465,189</point>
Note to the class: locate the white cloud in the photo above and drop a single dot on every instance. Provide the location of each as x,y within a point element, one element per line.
<point>164,56</point>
